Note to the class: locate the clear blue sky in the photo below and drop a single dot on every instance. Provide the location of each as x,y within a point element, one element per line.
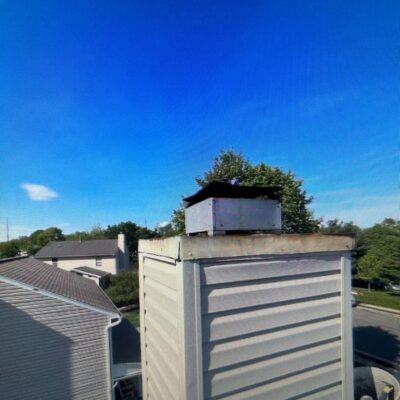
<point>115,106</point>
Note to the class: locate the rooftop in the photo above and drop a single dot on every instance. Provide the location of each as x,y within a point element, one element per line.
<point>77,248</point>
<point>91,271</point>
<point>46,278</point>
<point>218,189</point>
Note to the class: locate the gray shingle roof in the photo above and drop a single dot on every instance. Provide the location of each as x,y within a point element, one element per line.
<point>51,279</point>
<point>76,248</point>
<point>92,271</point>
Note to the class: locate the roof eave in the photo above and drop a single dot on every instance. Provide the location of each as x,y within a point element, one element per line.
<point>74,256</point>
<point>26,286</point>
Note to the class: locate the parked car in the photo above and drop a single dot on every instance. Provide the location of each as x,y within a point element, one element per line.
<point>376,284</point>
<point>393,286</point>
<point>354,301</point>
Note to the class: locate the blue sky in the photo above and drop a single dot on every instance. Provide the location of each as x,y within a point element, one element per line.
<point>116,106</point>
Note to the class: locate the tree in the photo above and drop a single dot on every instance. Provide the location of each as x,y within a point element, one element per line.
<point>49,235</point>
<point>369,268</point>
<point>165,230</point>
<point>97,232</point>
<point>42,237</point>
<point>133,233</point>
<point>9,249</point>
<point>382,241</point>
<point>124,288</point>
<point>232,167</point>
<point>334,226</point>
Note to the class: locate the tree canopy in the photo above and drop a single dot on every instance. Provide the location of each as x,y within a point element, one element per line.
<point>230,166</point>
<point>124,288</point>
<point>382,242</point>
<point>369,268</point>
<point>9,249</point>
<point>133,233</point>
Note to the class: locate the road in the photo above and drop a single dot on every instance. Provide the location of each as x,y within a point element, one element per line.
<point>377,334</point>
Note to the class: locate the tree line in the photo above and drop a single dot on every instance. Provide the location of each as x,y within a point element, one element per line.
<point>377,252</point>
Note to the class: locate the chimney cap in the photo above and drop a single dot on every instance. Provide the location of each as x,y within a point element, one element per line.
<point>219,189</point>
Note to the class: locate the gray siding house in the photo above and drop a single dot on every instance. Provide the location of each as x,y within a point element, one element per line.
<point>55,334</point>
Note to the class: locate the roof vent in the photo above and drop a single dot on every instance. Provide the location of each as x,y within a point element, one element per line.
<point>221,207</point>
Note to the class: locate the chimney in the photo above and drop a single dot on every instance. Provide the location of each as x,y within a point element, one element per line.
<point>123,252</point>
<point>220,208</point>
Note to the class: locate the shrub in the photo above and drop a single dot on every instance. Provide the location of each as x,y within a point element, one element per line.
<point>124,288</point>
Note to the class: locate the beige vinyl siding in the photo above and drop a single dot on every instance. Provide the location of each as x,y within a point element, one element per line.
<point>108,263</point>
<point>50,349</point>
<point>159,306</point>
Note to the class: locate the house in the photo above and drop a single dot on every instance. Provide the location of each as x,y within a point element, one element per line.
<point>103,255</point>
<point>56,335</point>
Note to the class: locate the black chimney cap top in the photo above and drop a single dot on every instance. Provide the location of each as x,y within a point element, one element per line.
<point>226,190</point>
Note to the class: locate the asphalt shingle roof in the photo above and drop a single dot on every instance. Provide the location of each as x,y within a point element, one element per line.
<point>51,279</point>
<point>93,271</point>
<point>76,248</point>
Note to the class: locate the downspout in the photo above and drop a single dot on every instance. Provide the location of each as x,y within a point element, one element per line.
<point>112,322</point>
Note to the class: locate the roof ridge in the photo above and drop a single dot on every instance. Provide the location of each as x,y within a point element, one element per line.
<point>13,258</point>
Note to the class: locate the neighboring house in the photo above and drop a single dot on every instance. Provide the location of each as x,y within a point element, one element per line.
<point>104,255</point>
<point>56,335</point>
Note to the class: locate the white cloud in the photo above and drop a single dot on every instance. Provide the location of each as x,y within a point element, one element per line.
<point>39,192</point>
<point>162,224</point>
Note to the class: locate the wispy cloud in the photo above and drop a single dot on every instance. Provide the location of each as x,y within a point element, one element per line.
<point>39,192</point>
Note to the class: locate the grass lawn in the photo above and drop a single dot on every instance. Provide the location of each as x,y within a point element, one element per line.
<point>133,317</point>
<point>378,298</point>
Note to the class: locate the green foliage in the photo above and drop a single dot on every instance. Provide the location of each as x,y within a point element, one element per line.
<point>340,227</point>
<point>133,233</point>
<point>41,237</point>
<point>382,241</point>
<point>334,226</point>
<point>49,235</point>
<point>97,232</point>
<point>165,230</point>
<point>230,166</point>
<point>178,221</point>
<point>369,268</point>
<point>124,288</point>
<point>9,249</point>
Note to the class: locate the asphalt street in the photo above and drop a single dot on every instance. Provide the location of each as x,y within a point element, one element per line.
<point>377,334</point>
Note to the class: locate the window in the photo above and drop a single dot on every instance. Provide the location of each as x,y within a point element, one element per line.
<point>98,262</point>
<point>55,262</point>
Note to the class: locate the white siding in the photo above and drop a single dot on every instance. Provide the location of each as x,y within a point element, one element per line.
<point>264,321</point>
<point>256,326</point>
<point>50,350</point>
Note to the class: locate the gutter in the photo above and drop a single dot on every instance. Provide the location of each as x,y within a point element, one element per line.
<point>111,323</point>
